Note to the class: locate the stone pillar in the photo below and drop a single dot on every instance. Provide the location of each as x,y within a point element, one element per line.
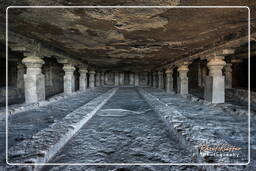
<point>131,78</point>
<point>116,78</point>
<point>97,82</point>
<point>20,78</point>
<point>228,75</point>
<point>155,80</point>
<point>83,78</point>
<point>182,81</point>
<point>160,80</point>
<point>149,79</point>
<point>214,91</point>
<point>136,79</point>
<point>102,78</point>
<point>91,79</point>
<point>121,78</point>
<point>34,79</point>
<point>69,79</point>
<point>169,80</point>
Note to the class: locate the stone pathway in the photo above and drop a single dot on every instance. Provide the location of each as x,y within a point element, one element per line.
<point>23,125</point>
<point>125,130</point>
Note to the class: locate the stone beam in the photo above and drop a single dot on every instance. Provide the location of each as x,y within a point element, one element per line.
<point>219,49</point>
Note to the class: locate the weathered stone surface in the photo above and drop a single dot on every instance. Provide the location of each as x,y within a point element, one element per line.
<point>37,150</point>
<point>177,112</point>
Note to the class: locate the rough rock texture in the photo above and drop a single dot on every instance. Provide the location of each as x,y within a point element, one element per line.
<point>44,145</point>
<point>129,39</point>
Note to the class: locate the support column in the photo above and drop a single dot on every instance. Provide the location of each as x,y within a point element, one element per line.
<point>69,79</point>
<point>136,79</point>
<point>121,78</point>
<point>155,80</point>
<point>131,78</point>
<point>91,79</point>
<point>228,75</point>
<point>182,81</point>
<point>116,78</point>
<point>20,78</point>
<point>169,80</point>
<point>97,82</point>
<point>160,80</point>
<point>214,91</point>
<point>83,78</point>
<point>102,78</point>
<point>34,79</point>
<point>149,79</point>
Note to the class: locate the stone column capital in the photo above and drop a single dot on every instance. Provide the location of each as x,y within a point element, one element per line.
<point>33,62</point>
<point>169,71</point>
<point>183,68</point>
<point>92,72</point>
<point>216,65</point>
<point>69,67</point>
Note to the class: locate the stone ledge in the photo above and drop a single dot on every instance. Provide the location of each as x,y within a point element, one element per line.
<point>17,108</point>
<point>186,129</point>
<point>226,107</point>
<point>46,143</point>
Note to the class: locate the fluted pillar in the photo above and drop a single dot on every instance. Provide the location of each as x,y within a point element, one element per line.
<point>182,81</point>
<point>215,81</point>
<point>228,75</point>
<point>91,79</point>
<point>169,80</point>
<point>83,78</point>
<point>34,79</point>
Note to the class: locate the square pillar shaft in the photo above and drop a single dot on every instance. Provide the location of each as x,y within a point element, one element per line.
<point>160,80</point>
<point>215,83</point>
<point>116,78</point>
<point>169,80</point>
<point>136,79</point>
<point>83,79</point>
<point>182,81</point>
<point>69,80</point>
<point>91,79</point>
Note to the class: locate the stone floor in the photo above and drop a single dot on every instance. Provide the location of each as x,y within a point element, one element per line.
<point>127,130</point>
<point>23,125</point>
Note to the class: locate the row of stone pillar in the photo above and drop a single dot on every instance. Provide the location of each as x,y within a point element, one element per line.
<point>34,80</point>
<point>215,82</point>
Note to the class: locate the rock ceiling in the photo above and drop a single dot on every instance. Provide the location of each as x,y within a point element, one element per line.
<point>131,38</point>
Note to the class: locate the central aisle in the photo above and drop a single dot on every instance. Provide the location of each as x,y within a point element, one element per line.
<point>125,130</point>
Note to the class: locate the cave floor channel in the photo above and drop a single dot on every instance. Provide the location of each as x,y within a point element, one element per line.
<point>124,130</point>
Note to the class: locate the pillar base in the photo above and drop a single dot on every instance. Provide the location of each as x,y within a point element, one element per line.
<point>214,91</point>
